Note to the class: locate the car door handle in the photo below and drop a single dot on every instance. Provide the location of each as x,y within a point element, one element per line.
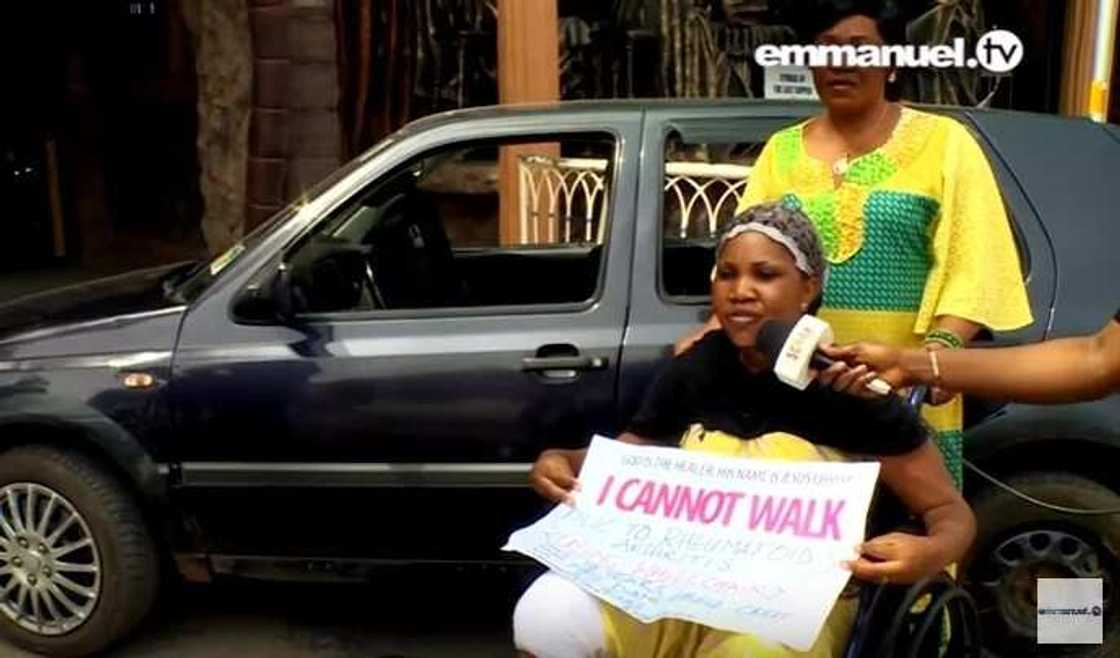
<point>543,363</point>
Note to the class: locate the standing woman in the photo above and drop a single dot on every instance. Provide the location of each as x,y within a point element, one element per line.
<point>906,204</point>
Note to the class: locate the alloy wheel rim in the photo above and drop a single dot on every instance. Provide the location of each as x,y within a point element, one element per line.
<point>50,566</point>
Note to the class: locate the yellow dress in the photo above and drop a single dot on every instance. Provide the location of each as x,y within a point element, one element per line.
<point>627,637</point>
<point>915,230</point>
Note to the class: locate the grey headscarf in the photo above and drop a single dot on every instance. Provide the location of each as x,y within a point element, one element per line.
<point>787,226</point>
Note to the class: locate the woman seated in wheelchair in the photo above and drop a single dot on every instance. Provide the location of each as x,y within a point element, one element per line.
<point>720,396</point>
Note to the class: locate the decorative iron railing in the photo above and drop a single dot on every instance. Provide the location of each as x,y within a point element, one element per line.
<point>714,189</point>
<point>564,199</point>
<point>561,196</point>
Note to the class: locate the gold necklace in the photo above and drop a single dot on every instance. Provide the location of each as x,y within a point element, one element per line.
<point>841,166</point>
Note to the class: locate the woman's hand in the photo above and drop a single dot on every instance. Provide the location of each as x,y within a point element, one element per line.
<point>554,475</point>
<point>685,342</point>
<point>898,558</point>
<point>885,360</point>
<point>937,395</point>
<point>848,379</point>
<point>901,368</point>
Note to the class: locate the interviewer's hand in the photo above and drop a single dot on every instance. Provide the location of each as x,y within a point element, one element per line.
<point>852,380</point>
<point>884,360</point>
<point>898,558</point>
<point>937,395</point>
<point>554,476</point>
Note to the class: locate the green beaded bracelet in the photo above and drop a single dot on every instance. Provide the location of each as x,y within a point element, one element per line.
<point>945,337</point>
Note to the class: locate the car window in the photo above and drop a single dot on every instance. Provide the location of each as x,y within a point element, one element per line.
<point>484,224</point>
<point>703,184</point>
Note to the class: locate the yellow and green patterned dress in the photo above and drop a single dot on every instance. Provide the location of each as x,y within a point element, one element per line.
<point>915,230</point>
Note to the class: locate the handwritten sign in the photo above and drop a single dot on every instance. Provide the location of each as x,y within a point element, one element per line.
<point>751,546</point>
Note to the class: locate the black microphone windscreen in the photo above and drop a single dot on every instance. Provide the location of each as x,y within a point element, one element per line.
<point>771,338</point>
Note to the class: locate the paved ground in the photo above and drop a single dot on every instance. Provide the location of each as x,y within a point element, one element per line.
<point>460,616</point>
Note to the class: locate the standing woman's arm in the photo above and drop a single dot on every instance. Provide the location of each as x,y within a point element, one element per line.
<point>687,341</point>
<point>976,280</point>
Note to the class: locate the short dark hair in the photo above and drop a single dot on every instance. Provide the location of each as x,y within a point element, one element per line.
<point>811,17</point>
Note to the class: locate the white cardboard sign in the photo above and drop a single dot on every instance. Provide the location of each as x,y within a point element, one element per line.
<point>751,546</point>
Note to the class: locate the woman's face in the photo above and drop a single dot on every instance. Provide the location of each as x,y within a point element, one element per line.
<point>849,90</point>
<point>757,279</point>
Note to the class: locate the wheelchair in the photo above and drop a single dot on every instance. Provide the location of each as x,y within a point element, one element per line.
<point>934,618</point>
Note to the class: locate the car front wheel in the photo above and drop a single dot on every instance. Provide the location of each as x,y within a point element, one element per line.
<point>1019,542</point>
<point>78,567</point>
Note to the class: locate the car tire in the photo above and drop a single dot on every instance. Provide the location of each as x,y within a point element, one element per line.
<point>1019,542</point>
<point>106,554</point>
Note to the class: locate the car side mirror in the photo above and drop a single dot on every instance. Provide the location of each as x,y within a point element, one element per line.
<point>324,275</point>
<point>281,293</point>
<point>267,300</point>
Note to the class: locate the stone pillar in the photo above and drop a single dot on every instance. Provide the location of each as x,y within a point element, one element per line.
<point>315,146</point>
<point>268,155</point>
<point>223,62</point>
<point>295,130</point>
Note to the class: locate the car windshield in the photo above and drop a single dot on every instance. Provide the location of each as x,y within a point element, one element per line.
<point>185,286</point>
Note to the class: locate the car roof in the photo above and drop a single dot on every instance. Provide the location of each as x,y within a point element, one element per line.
<point>686,104</point>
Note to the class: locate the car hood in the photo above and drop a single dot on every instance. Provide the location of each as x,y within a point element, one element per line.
<point>131,293</point>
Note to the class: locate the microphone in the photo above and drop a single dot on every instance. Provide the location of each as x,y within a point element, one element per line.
<point>793,350</point>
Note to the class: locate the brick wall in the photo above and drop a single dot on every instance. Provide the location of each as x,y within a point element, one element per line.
<point>294,135</point>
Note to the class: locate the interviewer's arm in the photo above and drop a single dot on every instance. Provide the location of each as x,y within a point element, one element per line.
<point>1055,371</point>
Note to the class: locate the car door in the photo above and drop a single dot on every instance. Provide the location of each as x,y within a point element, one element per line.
<point>397,414</point>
